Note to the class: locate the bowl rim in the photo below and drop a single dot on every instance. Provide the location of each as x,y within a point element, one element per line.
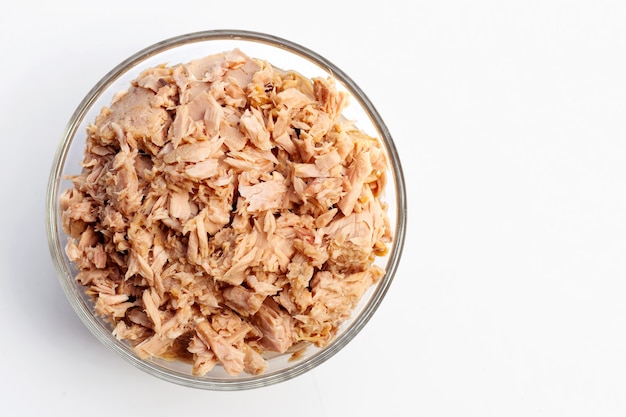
<point>57,251</point>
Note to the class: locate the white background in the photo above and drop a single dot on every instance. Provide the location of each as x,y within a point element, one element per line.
<point>510,299</point>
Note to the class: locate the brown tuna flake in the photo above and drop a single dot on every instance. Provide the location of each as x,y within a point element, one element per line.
<point>225,210</point>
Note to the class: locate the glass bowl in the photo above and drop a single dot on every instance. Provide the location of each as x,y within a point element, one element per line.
<point>281,54</point>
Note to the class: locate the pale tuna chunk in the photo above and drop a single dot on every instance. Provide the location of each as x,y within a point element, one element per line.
<point>292,98</point>
<point>193,152</point>
<point>333,101</point>
<point>204,360</point>
<point>233,64</point>
<point>266,195</point>
<point>205,109</point>
<point>253,362</point>
<point>122,182</point>
<point>182,127</point>
<point>134,113</point>
<point>114,305</point>
<point>358,171</point>
<point>253,126</point>
<point>230,357</point>
<point>203,170</point>
<point>158,343</point>
<point>242,261</point>
<point>243,301</point>
<point>179,205</point>
<point>276,325</point>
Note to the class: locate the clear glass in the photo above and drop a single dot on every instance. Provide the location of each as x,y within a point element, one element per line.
<point>280,53</point>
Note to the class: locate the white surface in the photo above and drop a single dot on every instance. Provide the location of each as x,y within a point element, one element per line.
<point>509,116</point>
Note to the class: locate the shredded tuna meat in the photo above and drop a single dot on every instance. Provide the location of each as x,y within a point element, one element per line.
<point>225,210</point>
